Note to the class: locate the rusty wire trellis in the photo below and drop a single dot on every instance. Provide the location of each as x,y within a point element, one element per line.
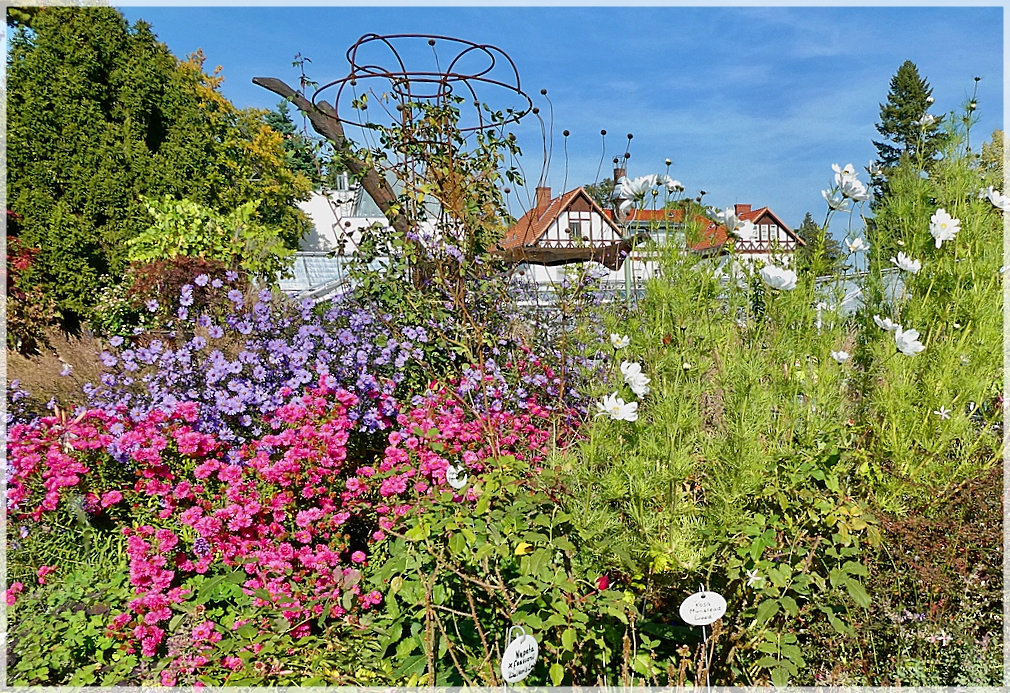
<point>437,88</point>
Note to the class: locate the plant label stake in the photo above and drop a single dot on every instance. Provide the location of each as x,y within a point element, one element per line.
<point>701,609</point>
<point>519,658</point>
<point>454,478</point>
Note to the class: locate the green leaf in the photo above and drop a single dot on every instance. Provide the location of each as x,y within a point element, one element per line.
<point>780,677</point>
<point>766,609</point>
<point>457,543</point>
<point>854,568</point>
<point>568,639</point>
<point>795,655</point>
<point>531,620</point>
<point>858,593</point>
<point>789,604</point>
<point>412,665</point>
<point>557,674</point>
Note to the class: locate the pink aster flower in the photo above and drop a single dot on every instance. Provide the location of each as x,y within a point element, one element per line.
<point>13,591</point>
<point>111,498</point>
<point>43,571</point>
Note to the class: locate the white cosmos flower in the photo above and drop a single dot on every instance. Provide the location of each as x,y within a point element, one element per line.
<point>943,227</point>
<point>630,369</point>
<point>857,245</point>
<point>729,219</point>
<point>639,384</point>
<point>778,277</point>
<point>942,412</point>
<point>836,201</point>
<point>908,342</point>
<point>853,188</point>
<point>886,323</point>
<point>747,231</point>
<point>634,189</point>
<point>841,356</point>
<point>874,169</point>
<point>998,199</point>
<point>843,174</point>
<point>671,185</point>
<point>634,377</point>
<point>619,341</point>
<point>906,263</point>
<point>617,408</point>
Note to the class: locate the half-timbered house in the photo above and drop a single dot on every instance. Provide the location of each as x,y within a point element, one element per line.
<point>562,230</point>
<point>772,238</point>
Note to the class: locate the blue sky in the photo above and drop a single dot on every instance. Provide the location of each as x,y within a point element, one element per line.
<point>752,104</point>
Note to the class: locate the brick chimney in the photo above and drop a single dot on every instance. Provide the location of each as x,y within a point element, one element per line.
<point>741,209</point>
<point>619,173</point>
<point>543,198</point>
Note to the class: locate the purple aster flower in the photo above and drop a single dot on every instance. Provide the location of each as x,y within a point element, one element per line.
<point>116,341</point>
<point>215,332</point>
<point>232,405</point>
<point>201,547</point>
<point>216,283</point>
<point>201,280</point>
<point>198,343</point>
<point>152,305</point>
<point>182,312</point>
<point>231,275</point>
<point>235,296</point>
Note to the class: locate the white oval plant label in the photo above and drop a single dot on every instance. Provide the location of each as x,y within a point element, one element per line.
<point>702,608</point>
<point>519,658</point>
<point>452,476</point>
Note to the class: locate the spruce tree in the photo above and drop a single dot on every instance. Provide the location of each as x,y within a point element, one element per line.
<point>298,147</point>
<point>831,253</point>
<point>901,120</point>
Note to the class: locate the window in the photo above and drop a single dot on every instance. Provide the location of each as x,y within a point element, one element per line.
<point>763,235</point>
<point>575,229</point>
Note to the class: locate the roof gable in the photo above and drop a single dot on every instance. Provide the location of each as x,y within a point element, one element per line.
<point>533,225</point>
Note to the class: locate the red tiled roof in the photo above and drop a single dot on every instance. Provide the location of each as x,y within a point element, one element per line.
<point>532,225</point>
<point>713,236</point>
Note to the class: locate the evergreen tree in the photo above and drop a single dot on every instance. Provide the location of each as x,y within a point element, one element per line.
<point>298,147</point>
<point>818,243</point>
<point>100,114</point>
<point>901,120</point>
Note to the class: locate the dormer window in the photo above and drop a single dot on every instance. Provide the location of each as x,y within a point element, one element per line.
<point>575,229</point>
